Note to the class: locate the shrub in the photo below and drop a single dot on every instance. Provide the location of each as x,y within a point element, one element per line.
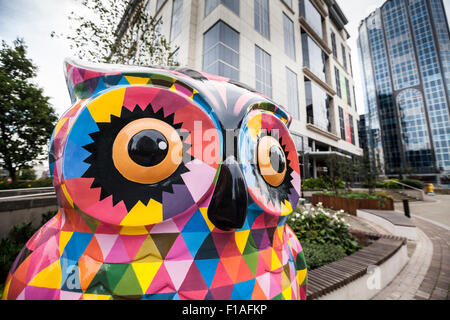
<point>322,226</point>
<point>315,184</point>
<point>390,184</point>
<point>317,255</point>
<point>413,183</point>
<point>358,195</point>
<point>45,182</point>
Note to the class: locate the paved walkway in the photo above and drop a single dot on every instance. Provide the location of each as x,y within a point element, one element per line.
<point>427,274</point>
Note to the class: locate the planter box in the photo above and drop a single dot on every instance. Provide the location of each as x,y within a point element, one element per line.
<point>352,205</point>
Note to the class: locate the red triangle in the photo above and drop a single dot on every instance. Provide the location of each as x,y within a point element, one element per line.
<point>221,240</point>
<point>230,249</point>
<point>15,288</point>
<point>221,278</point>
<point>93,250</point>
<point>106,228</point>
<point>222,293</point>
<point>258,293</point>
<point>262,266</point>
<point>193,281</point>
<point>193,295</point>
<point>161,283</point>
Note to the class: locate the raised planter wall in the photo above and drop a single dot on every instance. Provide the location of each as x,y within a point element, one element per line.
<point>352,205</point>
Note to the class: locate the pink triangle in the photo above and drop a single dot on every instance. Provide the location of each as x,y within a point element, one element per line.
<point>133,243</point>
<point>21,296</point>
<point>264,283</point>
<point>106,241</point>
<point>139,95</point>
<point>105,211</point>
<point>178,270</point>
<point>167,226</point>
<point>198,187</point>
<point>118,253</point>
<point>161,283</point>
<point>179,251</point>
<point>181,220</point>
<point>275,284</point>
<point>67,295</point>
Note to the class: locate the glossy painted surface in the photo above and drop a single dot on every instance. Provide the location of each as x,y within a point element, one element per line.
<point>205,224</point>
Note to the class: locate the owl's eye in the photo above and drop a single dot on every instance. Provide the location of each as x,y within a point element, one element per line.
<point>271,161</point>
<point>147,151</point>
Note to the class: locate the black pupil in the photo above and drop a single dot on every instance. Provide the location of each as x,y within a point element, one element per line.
<point>277,159</point>
<point>148,148</point>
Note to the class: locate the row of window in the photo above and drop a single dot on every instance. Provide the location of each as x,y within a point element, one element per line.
<point>221,57</point>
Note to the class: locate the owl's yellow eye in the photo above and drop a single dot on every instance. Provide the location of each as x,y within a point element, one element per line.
<point>147,151</point>
<point>271,161</point>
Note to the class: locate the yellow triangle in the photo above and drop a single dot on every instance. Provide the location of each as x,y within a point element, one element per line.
<point>50,277</point>
<point>107,104</point>
<point>145,272</point>
<point>287,293</point>
<point>133,231</point>
<point>148,252</point>
<point>280,231</point>
<point>254,126</point>
<point>144,215</point>
<point>137,80</point>
<point>286,208</point>
<point>68,197</point>
<point>204,212</point>
<point>59,125</point>
<point>6,289</point>
<point>91,296</point>
<point>241,239</point>
<point>301,275</point>
<point>275,261</point>
<point>64,237</point>
<point>172,88</point>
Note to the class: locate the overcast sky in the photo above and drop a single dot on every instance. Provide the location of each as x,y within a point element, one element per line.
<point>34,20</point>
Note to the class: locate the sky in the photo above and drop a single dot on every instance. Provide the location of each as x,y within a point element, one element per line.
<point>34,20</point>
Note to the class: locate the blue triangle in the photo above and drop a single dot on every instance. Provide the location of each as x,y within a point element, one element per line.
<point>123,81</point>
<point>196,224</point>
<point>194,240</point>
<point>100,86</point>
<point>159,296</point>
<point>243,290</point>
<point>207,268</point>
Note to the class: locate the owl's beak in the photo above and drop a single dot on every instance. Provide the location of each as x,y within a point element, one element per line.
<point>228,207</point>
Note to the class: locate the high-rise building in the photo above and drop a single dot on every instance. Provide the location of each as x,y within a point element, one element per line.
<point>404,50</point>
<point>294,52</point>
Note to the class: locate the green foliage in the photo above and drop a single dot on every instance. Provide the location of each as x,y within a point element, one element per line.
<point>317,255</point>
<point>390,184</point>
<point>18,237</point>
<point>45,182</point>
<point>27,174</point>
<point>321,226</point>
<point>26,116</point>
<point>358,195</point>
<point>320,184</point>
<point>118,31</point>
<point>413,183</point>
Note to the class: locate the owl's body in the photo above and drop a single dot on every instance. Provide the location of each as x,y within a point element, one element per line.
<point>167,189</point>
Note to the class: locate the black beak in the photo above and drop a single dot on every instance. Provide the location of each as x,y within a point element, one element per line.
<point>228,207</point>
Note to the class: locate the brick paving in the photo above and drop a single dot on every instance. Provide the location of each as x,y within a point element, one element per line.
<point>427,274</point>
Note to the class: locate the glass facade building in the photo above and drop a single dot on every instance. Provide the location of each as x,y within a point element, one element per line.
<point>404,51</point>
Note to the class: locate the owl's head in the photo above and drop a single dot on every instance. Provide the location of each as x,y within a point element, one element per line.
<point>142,145</point>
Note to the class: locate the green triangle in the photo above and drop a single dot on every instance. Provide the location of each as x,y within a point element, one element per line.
<point>128,284</point>
<point>278,297</point>
<point>100,284</point>
<point>115,272</point>
<point>251,259</point>
<point>91,222</point>
<point>250,247</point>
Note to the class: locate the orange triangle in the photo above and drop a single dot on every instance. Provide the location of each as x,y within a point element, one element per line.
<point>258,293</point>
<point>221,277</point>
<point>88,269</point>
<point>266,255</point>
<point>232,266</point>
<point>93,250</point>
<point>244,272</point>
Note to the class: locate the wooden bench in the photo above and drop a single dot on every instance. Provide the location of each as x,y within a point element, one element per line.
<point>332,276</point>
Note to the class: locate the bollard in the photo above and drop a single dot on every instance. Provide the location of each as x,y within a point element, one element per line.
<point>406,208</point>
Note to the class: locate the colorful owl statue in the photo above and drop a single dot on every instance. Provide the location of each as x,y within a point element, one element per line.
<point>171,184</point>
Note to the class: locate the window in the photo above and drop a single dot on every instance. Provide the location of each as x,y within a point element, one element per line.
<point>159,3</point>
<point>263,72</point>
<point>347,88</point>
<point>221,51</point>
<point>262,17</point>
<point>333,44</point>
<point>342,123</point>
<point>352,129</point>
<point>338,82</point>
<point>313,57</point>
<point>177,11</point>
<point>350,61</point>
<point>344,56</point>
<point>210,5</point>
<point>354,98</point>
<point>289,42</point>
<point>311,15</point>
<point>292,93</point>
<point>317,106</point>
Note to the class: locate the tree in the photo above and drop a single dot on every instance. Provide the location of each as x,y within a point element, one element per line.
<point>26,117</point>
<point>336,166</point>
<point>118,31</point>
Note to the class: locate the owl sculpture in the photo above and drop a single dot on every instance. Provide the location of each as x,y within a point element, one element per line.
<point>171,184</point>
